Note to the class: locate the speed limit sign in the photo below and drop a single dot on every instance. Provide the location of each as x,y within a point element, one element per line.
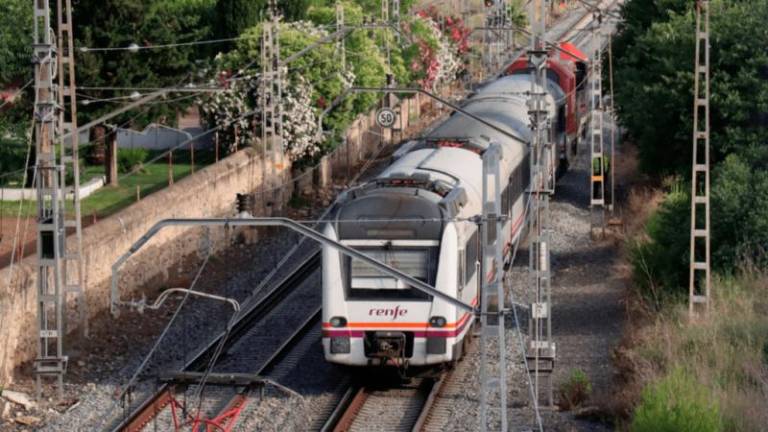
<point>385,117</point>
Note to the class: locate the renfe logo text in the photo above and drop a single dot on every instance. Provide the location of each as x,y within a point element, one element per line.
<point>385,312</point>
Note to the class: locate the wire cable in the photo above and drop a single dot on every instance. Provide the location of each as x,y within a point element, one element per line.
<point>136,48</point>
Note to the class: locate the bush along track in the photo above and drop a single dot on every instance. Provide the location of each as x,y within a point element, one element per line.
<point>708,373</point>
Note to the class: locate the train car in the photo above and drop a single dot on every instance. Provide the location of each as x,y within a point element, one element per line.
<point>568,70</point>
<point>417,217</point>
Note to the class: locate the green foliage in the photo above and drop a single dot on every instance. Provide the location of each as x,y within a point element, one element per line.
<point>295,10</point>
<point>15,41</point>
<point>15,70</point>
<point>677,403</point>
<point>739,206</point>
<point>653,58</point>
<point>233,17</point>
<point>660,260</point>
<point>130,158</point>
<point>575,391</point>
<point>119,23</point>
<point>739,213</point>
<point>13,150</point>
<point>321,66</point>
<point>517,13</point>
<point>654,54</point>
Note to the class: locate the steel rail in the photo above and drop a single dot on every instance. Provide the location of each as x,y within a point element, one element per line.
<point>252,313</point>
<point>351,404</point>
<point>241,398</point>
<point>434,393</point>
<point>341,409</point>
<point>350,412</point>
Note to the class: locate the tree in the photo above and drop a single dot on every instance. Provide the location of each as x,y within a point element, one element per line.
<point>120,23</point>
<point>15,70</point>
<point>233,17</point>
<point>15,41</point>
<point>654,74</point>
<point>740,213</point>
<point>654,96</point>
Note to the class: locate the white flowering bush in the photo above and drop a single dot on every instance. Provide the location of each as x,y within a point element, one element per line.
<point>227,111</point>
<point>301,137</point>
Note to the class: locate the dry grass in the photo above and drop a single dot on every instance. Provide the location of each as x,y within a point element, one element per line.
<point>642,202</point>
<point>727,351</point>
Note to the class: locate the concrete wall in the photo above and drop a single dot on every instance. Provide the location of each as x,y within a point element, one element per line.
<point>160,137</point>
<point>157,137</point>
<point>210,192</point>
<point>86,189</point>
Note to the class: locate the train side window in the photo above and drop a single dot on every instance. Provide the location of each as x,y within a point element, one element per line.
<point>470,255</point>
<point>526,171</point>
<point>505,200</point>
<point>462,270</point>
<point>561,119</point>
<point>516,184</point>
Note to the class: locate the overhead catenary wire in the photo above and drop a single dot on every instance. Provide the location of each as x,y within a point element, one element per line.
<point>136,48</point>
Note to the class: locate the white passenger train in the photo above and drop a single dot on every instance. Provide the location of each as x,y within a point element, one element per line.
<point>415,217</point>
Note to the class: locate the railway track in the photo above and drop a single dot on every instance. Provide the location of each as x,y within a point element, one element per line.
<point>360,408</point>
<point>163,404</point>
<point>373,407</point>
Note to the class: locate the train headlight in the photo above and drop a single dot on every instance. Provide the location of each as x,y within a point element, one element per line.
<point>338,321</point>
<point>437,321</point>
<point>340,345</point>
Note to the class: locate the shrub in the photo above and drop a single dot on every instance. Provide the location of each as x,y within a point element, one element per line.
<point>677,403</point>
<point>660,258</point>
<point>128,159</point>
<point>575,390</point>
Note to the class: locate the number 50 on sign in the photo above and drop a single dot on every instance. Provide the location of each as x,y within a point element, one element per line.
<point>385,117</point>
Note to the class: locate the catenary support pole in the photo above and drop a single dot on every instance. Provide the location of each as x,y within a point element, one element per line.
<point>597,165</point>
<point>700,270</point>
<point>493,374</point>
<point>541,348</point>
<point>73,265</point>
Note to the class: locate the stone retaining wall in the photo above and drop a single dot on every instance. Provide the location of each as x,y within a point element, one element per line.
<point>210,192</point>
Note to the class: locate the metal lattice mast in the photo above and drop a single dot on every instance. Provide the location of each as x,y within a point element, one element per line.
<point>385,11</point>
<point>396,19</point>
<point>51,361</point>
<point>493,375</point>
<point>73,272</point>
<point>541,348</point>
<point>506,24</point>
<point>494,27</point>
<point>384,20</point>
<point>612,205</point>
<point>341,46</point>
<point>271,83</point>
<point>596,145</point>
<point>700,277</point>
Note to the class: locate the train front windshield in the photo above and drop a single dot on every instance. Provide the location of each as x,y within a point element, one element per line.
<point>365,282</point>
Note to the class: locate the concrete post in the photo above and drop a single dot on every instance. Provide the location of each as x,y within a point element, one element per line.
<point>110,161</point>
